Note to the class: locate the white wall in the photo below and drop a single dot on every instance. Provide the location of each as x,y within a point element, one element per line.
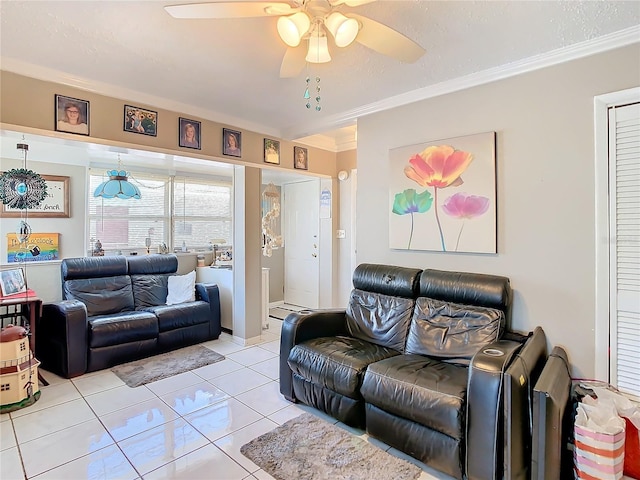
<point>545,186</point>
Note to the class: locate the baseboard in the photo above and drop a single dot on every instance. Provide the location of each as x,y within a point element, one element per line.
<point>246,342</point>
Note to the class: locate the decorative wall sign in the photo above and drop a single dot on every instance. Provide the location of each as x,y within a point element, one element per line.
<point>55,204</point>
<point>40,247</point>
<point>442,195</point>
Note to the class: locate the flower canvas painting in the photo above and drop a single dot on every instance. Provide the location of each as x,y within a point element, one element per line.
<point>442,195</point>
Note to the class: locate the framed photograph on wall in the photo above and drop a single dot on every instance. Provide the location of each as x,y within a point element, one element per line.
<point>189,133</point>
<point>72,115</point>
<point>300,158</point>
<point>12,282</point>
<point>140,120</point>
<point>231,142</point>
<point>272,151</point>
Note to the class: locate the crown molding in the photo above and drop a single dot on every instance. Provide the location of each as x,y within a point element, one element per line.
<point>308,133</point>
<point>601,44</point>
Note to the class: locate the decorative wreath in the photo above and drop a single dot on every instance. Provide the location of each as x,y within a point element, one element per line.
<point>21,188</point>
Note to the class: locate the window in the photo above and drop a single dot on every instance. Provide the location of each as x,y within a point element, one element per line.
<point>171,210</point>
<point>4,387</point>
<point>23,346</point>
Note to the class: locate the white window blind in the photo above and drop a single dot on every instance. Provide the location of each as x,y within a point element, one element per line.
<point>167,212</point>
<point>624,178</point>
<point>201,212</point>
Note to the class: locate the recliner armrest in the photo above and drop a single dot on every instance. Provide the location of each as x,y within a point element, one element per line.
<point>301,326</point>
<point>62,339</point>
<point>210,293</point>
<point>484,409</point>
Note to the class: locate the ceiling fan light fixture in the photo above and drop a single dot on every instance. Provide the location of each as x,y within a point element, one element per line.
<point>318,50</point>
<point>343,29</point>
<point>292,28</point>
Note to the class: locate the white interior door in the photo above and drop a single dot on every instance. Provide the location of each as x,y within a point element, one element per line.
<point>624,218</point>
<point>301,207</point>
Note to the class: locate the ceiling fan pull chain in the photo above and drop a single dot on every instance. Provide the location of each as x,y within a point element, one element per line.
<point>318,107</point>
<point>306,94</point>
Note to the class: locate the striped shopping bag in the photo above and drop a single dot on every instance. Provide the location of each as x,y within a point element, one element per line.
<point>599,443</point>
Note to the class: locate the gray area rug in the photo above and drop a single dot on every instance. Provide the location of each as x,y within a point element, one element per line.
<point>165,365</point>
<point>309,448</point>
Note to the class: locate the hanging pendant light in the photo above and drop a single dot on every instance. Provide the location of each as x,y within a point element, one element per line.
<point>118,185</point>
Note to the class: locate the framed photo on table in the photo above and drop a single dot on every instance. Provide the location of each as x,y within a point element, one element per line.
<point>12,282</point>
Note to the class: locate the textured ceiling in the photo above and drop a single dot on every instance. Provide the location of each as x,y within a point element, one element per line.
<point>228,70</point>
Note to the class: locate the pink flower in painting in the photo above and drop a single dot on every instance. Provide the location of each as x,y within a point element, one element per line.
<point>462,205</point>
<point>438,166</point>
<point>465,206</point>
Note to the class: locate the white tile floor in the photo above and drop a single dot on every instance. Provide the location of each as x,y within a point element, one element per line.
<point>190,425</point>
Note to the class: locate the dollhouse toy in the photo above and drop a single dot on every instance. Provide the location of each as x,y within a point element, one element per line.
<point>18,370</point>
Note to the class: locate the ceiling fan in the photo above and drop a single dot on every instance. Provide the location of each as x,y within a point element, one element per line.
<point>318,22</point>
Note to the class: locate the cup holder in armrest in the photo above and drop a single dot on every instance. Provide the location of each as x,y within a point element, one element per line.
<point>493,352</point>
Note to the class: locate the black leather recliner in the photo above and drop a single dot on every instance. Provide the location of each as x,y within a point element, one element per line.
<point>422,360</point>
<point>114,310</point>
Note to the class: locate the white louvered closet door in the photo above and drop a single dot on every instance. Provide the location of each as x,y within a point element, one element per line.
<point>624,215</point>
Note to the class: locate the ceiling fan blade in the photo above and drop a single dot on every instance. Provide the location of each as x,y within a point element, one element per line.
<point>229,9</point>
<point>293,62</point>
<point>351,3</point>
<point>387,41</point>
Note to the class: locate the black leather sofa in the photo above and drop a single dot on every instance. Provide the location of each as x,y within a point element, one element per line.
<point>423,360</point>
<point>114,310</point>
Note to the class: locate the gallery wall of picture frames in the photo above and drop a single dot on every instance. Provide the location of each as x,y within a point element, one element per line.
<point>72,115</point>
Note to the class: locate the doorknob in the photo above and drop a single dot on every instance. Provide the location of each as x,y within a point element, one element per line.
<point>314,255</point>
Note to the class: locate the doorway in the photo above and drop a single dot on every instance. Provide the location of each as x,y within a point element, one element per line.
<point>301,207</point>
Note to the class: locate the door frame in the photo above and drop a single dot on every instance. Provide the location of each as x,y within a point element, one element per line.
<point>601,105</point>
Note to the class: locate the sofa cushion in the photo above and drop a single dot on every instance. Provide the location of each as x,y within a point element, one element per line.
<point>181,288</point>
<point>337,363</point>
<point>421,389</point>
<point>149,290</point>
<point>380,319</point>
<point>171,317</point>
<point>122,328</point>
<point>452,331</point>
<point>101,295</point>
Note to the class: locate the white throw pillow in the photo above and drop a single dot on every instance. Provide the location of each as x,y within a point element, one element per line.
<point>182,288</point>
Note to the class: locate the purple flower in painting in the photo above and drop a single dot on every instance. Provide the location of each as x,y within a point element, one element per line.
<point>462,205</point>
<point>410,202</point>
<point>465,206</point>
